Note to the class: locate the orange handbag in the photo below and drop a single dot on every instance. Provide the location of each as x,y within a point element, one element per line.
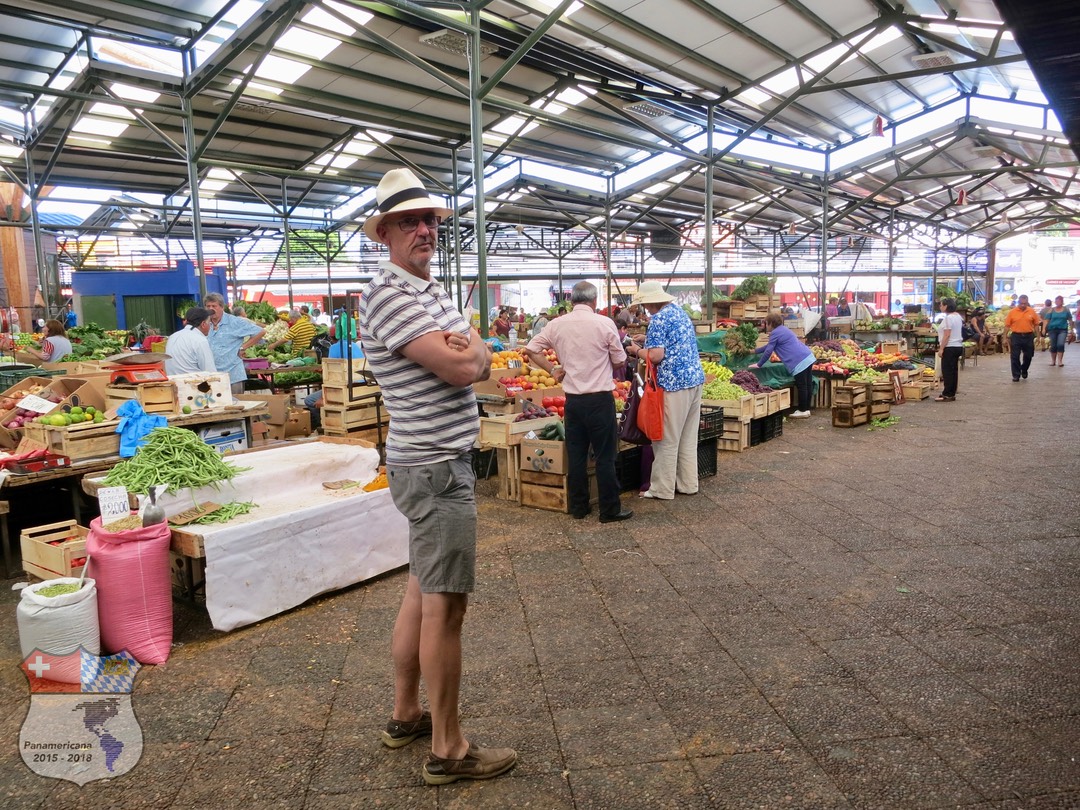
<point>650,412</point>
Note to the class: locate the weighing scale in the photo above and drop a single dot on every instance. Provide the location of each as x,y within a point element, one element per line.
<point>134,368</point>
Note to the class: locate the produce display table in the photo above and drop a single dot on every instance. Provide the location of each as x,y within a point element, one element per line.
<point>301,540</point>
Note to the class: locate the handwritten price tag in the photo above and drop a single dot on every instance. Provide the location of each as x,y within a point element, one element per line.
<point>32,402</point>
<point>113,503</point>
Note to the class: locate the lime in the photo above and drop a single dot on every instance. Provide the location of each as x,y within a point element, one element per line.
<point>57,420</point>
<point>98,417</point>
<point>90,409</point>
<point>186,409</point>
<point>76,411</point>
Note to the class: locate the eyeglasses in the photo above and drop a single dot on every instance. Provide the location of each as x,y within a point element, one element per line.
<point>410,224</point>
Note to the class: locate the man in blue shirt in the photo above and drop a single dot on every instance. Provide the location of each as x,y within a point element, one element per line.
<point>70,318</point>
<point>229,337</point>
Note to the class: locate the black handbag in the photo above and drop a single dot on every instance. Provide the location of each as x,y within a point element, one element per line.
<point>629,431</point>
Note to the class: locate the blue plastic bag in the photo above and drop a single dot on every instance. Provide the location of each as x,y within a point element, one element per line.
<point>135,425</point>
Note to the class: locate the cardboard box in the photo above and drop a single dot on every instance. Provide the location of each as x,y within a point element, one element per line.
<point>543,455</point>
<point>298,423</point>
<point>536,396</point>
<point>202,390</point>
<point>491,387</point>
<point>279,405</point>
<point>74,391</point>
<point>226,437</point>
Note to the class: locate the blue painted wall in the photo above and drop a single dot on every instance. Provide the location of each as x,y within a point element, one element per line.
<point>179,283</point>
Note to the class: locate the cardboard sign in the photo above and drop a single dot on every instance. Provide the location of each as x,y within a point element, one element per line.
<point>196,512</point>
<point>32,402</point>
<point>897,387</point>
<point>113,504</point>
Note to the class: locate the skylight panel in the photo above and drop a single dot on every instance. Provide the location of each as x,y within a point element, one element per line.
<point>752,95</point>
<point>238,14</point>
<point>320,18</point>
<point>512,125</point>
<point>9,151</point>
<point>113,110</point>
<point>358,15</point>
<point>338,162</point>
<point>99,126</point>
<point>548,5</point>
<point>571,96</point>
<point>281,70</point>
<point>306,43</point>
<point>156,60</point>
<point>221,174</point>
<point>12,117</point>
<point>131,93</point>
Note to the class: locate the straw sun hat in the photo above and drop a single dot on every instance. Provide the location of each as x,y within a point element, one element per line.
<point>652,292</point>
<point>401,190</point>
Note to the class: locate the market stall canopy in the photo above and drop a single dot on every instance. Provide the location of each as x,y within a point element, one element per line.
<point>603,116</point>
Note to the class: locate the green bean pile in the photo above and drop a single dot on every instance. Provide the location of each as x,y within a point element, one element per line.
<point>227,512</point>
<point>175,457</point>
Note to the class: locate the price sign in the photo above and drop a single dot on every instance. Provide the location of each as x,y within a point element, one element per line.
<point>32,402</point>
<point>113,503</point>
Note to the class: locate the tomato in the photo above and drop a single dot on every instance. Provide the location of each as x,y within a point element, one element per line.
<point>561,410</point>
<point>559,402</point>
<point>548,402</point>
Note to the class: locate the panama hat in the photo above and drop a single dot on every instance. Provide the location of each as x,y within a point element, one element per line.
<point>401,190</point>
<point>652,292</point>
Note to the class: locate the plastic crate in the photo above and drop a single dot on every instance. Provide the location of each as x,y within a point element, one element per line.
<point>628,468</point>
<point>712,422</point>
<point>766,428</point>
<point>706,458</point>
<point>10,376</point>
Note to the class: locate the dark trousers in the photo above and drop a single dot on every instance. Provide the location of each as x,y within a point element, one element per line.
<point>590,422</point>
<point>804,388</point>
<point>1022,344</point>
<point>950,369</point>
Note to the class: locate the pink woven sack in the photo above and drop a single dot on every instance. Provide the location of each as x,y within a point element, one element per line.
<point>134,588</point>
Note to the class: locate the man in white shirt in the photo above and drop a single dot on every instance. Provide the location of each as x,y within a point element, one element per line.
<point>188,349</point>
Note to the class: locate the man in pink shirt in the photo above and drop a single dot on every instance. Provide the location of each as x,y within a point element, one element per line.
<point>590,351</point>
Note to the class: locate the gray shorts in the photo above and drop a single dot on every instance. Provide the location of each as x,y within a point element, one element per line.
<point>439,501</point>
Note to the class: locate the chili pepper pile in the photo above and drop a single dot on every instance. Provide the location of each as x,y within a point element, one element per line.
<point>175,457</point>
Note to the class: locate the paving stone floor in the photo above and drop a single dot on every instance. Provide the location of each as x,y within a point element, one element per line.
<point>841,619</point>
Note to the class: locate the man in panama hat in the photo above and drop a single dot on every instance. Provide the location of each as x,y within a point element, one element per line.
<point>426,357</point>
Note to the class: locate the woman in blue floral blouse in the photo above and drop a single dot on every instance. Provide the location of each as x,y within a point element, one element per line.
<point>671,344</point>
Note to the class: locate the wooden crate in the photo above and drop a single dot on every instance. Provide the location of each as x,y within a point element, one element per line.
<point>741,408</point>
<point>78,441</point>
<point>783,401</point>
<point>509,406</point>
<point>916,391</point>
<point>343,395</point>
<point>375,435</point>
<point>735,436</point>
<point>774,401</point>
<point>155,397</point>
<point>890,347</point>
<point>336,372</point>
<point>503,431</point>
<point>343,417</point>
<point>549,491</point>
<point>849,395</point>
<point>736,309</point>
<point>881,392</point>
<point>47,561</point>
<point>847,416</point>
<point>880,410</point>
<point>509,473</point>
<point>761,405</point>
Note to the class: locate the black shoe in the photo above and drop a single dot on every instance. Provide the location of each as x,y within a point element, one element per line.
<point>625,514</point>
<point>580,515</point>
<point>1023,374</point>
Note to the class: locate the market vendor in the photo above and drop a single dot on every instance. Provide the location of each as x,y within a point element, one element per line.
<point>229,337</point>
<point>796,357</point>
<point>301,333</point>
<point>188,349</point>
<point>54,347</point>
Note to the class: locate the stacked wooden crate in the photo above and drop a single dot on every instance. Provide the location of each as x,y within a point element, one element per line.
<point>851,406</point>
<point>758,306</point>
<point>350,408</point>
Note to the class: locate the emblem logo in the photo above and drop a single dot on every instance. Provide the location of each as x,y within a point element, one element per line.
<point>81,725</point>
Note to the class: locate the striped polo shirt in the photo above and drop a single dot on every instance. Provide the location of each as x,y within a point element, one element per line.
<point>430,420</point>
<point>301,334</point>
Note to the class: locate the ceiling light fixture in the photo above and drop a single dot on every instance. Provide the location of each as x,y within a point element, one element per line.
<point>452,42</point>
<point>645,109</point>
<point>934,59</point>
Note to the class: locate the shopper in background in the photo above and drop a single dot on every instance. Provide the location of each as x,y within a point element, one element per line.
<point>950,349</point>
<point>1056,324</point>
<point>426,356</point>
<point>301,333</point>
<point>55,346</point>
<point>1045,311</point>
<point>671,345</point>
<point>796,357</point>
<point>501,325</point>
<point>539,322</point>
<point>842,309</point>
<point>188,349</point>
<point>982,335</point>
<point>70,318</point>
<point>591,355</point>
<point>229,337</point>
<point>1021,325</point>
<point>628,317</point>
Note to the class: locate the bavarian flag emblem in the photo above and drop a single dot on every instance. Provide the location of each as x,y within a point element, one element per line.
<point>81,725</point>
